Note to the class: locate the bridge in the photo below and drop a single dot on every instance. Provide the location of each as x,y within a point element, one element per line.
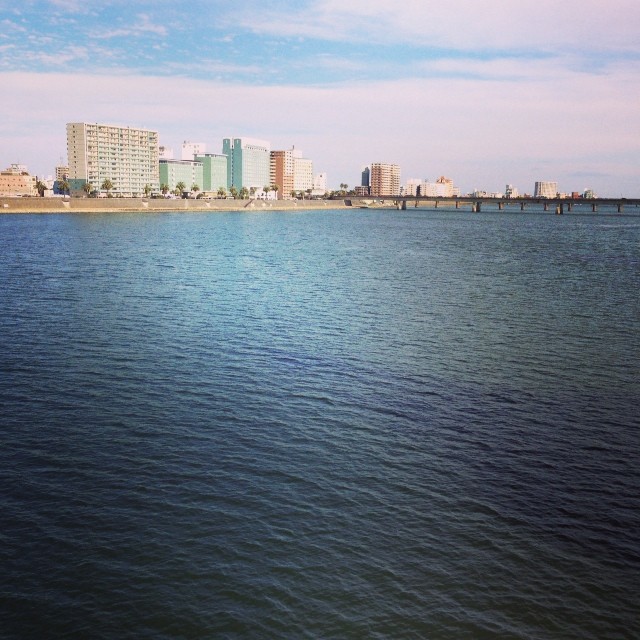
<point>476,203</point>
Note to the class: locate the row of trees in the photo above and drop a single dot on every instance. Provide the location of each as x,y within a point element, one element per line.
<point>243,193</point>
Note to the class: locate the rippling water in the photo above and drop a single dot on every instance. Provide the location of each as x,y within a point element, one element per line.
<point>360,424</point>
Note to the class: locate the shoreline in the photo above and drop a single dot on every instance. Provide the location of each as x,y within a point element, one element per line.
<point>142,205</point>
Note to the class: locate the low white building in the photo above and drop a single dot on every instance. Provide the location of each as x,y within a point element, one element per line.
<point>192,149</point>
<point>319,184</point>
<point>16,181</point>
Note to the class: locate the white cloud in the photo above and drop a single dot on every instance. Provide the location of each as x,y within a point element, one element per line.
<point>143,26</point>
<point>461,24</point>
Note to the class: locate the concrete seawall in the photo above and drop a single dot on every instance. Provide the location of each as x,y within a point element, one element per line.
<point>102,205</point>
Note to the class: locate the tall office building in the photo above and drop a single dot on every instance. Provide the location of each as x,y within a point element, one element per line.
<point>545,189</point>
<point>214,171</point>
<point>248,163</point>
<point>365,180</point>
<point>125,156</point>
<point>385,179</point>
<point>172,172</point>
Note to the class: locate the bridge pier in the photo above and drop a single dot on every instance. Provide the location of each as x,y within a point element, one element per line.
<point>457,205</point>
<point>500,206</point>
<point>522,205</point>
<point>559,209</point>
<point>404,205</point>
<point>569,207</point>
<point>546,206</point>
<point>620,207</point>
<point>594,207</point>
<point>476,207</point>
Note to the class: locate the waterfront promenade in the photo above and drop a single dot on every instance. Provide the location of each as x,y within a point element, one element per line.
<point>101,205</point>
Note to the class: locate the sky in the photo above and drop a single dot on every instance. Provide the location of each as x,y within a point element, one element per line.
<point>486,92</point>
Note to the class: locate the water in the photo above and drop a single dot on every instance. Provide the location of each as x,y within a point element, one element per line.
<point>335,424</point>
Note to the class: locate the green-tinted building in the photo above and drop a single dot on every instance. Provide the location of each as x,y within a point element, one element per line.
<point>214,171</point>
<point>248,162</point>
<point>189,172</point>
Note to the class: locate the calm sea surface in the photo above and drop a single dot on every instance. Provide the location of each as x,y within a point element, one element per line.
<point>334,424</point>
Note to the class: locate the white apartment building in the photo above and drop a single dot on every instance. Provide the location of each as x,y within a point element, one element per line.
<point>191,149</point>
<point>545,189</point>
<point>411,186</point>
<point>441,188</point>
<point>302,172</point>
<point>125,156</point>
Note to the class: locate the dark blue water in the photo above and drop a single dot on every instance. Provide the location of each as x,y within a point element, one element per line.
<point>335,424</point>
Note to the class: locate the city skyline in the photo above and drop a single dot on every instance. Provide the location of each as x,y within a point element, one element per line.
<point>466,90</point>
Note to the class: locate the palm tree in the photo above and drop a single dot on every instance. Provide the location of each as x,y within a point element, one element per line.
<point>234,192</point>
<point>87,187</point>
<point>147,190</point>
<point>195,188</point>
<point>40,188</point>
<point>63,185</point>
<point>252,191</point>
<point>180,187</point>
<point>266,190</point>
<point>244,193</point>
<point>164,189</point>
<point>107,185</point>
<point>276,188</point>
<point>222,192</point>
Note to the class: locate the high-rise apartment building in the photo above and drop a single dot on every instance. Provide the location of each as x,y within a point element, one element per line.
<point>282,172</point>
<point>302,173</point>
<point>385,179</point>
<point>125,156</point>
<point>291,172</point>
<point>545,189</point>
<point>248,163</point>
<point>62,172</point>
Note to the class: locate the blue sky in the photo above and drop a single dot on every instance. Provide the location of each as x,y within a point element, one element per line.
<point>487,92</point>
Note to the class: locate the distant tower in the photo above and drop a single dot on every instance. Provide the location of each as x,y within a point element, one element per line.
<point>510,191</point>
<point>366,177</point>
